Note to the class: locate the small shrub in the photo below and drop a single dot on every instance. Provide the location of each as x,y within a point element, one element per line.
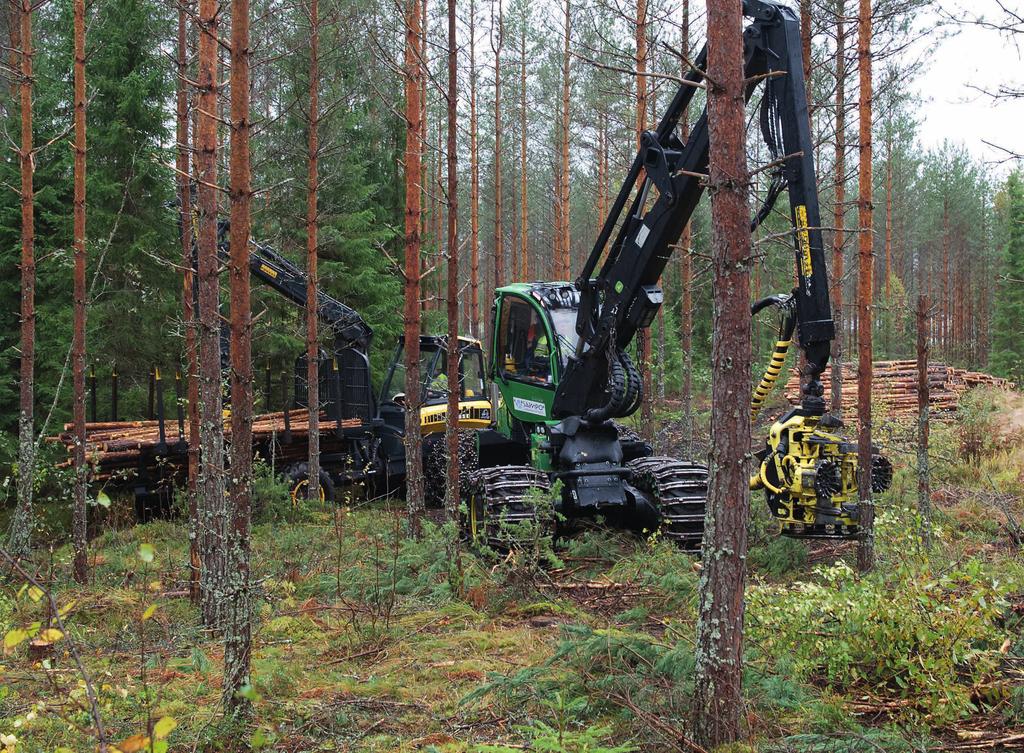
<point>665,571</point>
<point>779,557</point>
<point>905,633</point>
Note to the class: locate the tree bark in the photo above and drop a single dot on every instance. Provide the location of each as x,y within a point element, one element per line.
<point>213,507</point>
<point>524,196</point>
<point>866,549</point>
<point>563,191</point>
<point>602,151</point>
<point>686,272</point>
<point>719,649</point>
<point>20,541</point>
<point>496,45</point>
<point>839,221</point>
<point>79,526</point>
<point>805,50</point>
<point>644,335</point>
<point>238,625</point>
<point>887,278</point>
<point>944,278</point>
<point>474,191</point>
<point>184,172</point>
<point>924,491</point>
<point>413,161</point>
<point>454,356</point>
<point>312,239</point>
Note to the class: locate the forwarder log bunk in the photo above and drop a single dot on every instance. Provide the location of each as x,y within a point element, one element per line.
<point>894,390</point>
<point>113,446</point>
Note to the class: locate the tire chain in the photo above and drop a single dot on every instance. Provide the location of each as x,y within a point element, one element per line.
<point>435,465</point>
<point>500,494</point>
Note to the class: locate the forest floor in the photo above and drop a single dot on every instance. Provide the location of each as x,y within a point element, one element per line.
<point>362,643</point>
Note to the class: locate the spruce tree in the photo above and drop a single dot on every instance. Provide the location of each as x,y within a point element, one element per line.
<point>1007,340</point>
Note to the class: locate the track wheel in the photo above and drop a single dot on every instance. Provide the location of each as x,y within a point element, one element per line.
<point>298,484</point>
<point>680,489</point>
<point>498,507</point>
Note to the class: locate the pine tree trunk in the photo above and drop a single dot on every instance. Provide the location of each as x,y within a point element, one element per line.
<point>602,150</point>
<point>866,549</point>
<point>887,278</point>
<point>686,272</point>
<point>474,191</point>
<point>944,280</point>
<point>439,206</point>
<point>413,160</point>
<point>563,193</point>
<point>839,221</point>
<point>312,239</point>
<point>805,50</point>
<point>644,335</point>
<point>20,541</point>
<point>454,356</point>
<point>79,525</point>
<point>238,607</point>
<point>556,208</point>
<point>718,703</point>
<point>499,252</point>
<point>188,305</point>
<point>212,507</point>
<point>924,491</point>
<point>524,195</point>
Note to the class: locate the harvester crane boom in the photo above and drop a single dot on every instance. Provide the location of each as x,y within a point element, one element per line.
<point>662,189</point>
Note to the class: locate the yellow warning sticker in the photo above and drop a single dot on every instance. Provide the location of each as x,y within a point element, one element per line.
<point>804,237</point>
<point>273,272</point>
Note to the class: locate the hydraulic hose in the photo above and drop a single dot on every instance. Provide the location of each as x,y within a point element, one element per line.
<point>787,326</point>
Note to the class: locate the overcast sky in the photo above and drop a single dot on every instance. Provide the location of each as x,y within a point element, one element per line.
<point>978,57</point>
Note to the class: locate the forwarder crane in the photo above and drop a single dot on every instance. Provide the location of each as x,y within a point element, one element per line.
<point>559,353</point>
<point>373,449</point>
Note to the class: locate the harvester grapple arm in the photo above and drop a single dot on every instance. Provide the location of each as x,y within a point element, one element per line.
<point>662,189</point>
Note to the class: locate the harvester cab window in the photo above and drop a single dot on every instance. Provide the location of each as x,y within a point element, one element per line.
<point>472,375</point>
<point>523,345</point>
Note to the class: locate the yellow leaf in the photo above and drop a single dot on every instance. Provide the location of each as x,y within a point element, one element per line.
<point>14,637</point>
<point>133,744</point>
<point>51,635</point>
<point>150,611</point>
<point>155,586</point>
<point>35,593</point>
<point>163,727</point>
<point>64,610</point>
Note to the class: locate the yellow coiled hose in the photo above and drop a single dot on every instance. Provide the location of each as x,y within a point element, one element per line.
<point>771,376</point>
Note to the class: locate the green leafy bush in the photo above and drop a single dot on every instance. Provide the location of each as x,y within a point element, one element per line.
<point>929,637</point>
<point>271,498</point>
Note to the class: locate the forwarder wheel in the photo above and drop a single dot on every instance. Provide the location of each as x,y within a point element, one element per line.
<point>499,511</point>
<point>298,483</point>
<point>680,490</point>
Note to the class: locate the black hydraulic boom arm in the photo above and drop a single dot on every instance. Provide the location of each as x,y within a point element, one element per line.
<point>624,295</point>
<point>265,264</point>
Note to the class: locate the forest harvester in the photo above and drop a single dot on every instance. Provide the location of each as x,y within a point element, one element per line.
<point>559,350</point>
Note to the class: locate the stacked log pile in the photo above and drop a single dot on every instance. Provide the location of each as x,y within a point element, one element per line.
<point>894,391</point>
<point>113,446</point>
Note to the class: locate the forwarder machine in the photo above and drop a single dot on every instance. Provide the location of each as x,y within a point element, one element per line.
<point>559,349</point>
<point>367,445</point>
